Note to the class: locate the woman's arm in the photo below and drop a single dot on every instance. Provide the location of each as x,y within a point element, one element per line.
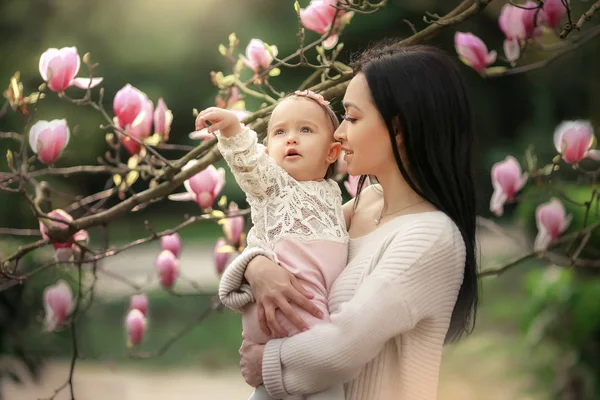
<point>253,275</point>
<point>390,301</point>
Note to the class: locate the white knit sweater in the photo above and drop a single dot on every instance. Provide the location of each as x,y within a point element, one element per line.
<point>390,310</point>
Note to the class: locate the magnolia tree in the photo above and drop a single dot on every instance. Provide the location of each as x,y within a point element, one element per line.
<point>140,129</point>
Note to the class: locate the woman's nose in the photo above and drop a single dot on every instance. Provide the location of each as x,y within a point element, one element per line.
<point>340,132</point>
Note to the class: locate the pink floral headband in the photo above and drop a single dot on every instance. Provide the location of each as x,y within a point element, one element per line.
<point>313,96</point>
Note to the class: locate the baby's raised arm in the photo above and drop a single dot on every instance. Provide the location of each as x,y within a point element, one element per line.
<point>256,173</point>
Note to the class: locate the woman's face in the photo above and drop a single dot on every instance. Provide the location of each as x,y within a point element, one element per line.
<point>363,134</point>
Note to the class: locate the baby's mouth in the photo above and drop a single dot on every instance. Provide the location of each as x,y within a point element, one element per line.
<point>292,153</point>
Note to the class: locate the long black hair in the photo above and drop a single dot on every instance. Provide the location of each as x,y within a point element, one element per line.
<point>419,91</point>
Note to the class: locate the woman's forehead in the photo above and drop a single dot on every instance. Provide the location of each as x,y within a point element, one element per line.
<point>358,90</point>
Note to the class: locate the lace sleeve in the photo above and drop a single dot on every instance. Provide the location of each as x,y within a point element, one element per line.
<point>256,173</point>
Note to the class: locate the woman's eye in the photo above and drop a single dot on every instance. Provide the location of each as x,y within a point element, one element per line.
<point>305,129</point>
<point>349,119</point>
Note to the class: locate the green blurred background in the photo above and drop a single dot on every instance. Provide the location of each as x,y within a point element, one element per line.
<point>167,49</point>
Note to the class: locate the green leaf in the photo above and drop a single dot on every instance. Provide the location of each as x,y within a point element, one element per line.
<point>222,50</point>
<point>297,6</point>
<point>275,72</point>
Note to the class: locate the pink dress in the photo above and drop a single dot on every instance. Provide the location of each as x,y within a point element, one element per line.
<point>298,224</point>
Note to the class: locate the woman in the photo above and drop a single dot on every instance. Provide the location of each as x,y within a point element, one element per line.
<point>410,285</point>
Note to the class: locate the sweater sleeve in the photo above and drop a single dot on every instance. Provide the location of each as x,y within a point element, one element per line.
<point>256,173</point>
<point>234,290</point>
<point>391,300</point>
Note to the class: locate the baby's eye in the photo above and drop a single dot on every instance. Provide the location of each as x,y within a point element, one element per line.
<point>305,129</point>
<point>347,118</point>
<point>279,132</point>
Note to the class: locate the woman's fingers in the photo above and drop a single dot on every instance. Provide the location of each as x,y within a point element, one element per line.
<point>291,315</point>
<point>272,322</point>
<point>299,298</point>
<point>262,320</point>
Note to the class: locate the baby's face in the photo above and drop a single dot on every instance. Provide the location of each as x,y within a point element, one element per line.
<point>300,139</point>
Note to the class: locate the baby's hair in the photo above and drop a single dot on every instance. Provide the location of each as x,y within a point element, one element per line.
<point>317,98</point>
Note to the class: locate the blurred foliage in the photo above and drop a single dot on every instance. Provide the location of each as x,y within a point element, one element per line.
<point>21,314</point>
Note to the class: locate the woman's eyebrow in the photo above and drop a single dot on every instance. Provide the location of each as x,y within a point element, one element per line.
<point>350,104</point>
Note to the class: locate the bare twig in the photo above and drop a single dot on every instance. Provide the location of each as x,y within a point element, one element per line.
<point>19,232</point>
<point>11,135</point>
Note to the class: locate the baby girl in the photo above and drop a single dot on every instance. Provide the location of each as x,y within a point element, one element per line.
<point>296,208</point>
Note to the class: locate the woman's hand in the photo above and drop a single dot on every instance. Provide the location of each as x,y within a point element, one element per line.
<point>275,288</point>
<point>251,355</point>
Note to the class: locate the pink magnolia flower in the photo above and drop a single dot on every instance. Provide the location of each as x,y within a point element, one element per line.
<point>127,104</point>
<point>233,227</point>
<point>552,12</point>
<point>351,184</point>
<point>58,304</point>
<point>220,258</point>
<point>162,119</point>
<point>171,243</point>
<point>473,52</point>
<point>319,17</point>
<point>135,324</point>
<point>552,221</point>
<point>134,114</point>
<point>48,139</point>
<point>139,302</point>
<point>167,266</point>
<point>59,215</point>
<point>59,67</point>
<point>203,188</point>
<point>258,57</point>
<point>574,140</point>
<point>507,179</point>
<point>517,24</point>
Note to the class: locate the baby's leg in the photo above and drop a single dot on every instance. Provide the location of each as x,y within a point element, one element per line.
<point>260,393</point>
<point>333,393</point>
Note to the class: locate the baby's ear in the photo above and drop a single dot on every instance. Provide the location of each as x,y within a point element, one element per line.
<point>266,150</point>
<point>334,152</point>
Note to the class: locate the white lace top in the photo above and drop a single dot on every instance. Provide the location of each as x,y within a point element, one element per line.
<point>282,207</point>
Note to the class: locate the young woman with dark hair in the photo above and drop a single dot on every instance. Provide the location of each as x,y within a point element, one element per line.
<point>410,285</point>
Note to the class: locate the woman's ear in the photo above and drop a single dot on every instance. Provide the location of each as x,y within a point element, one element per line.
<point>334,152</point>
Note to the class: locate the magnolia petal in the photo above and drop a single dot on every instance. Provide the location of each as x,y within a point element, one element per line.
<point>85,83</point>
<point>201,135</point>
<point>542,240</point>
<point>182,197</point>
<point>593,154</point>
<point>330,42</point>
<point>512,50</point>
<point>497,201</point>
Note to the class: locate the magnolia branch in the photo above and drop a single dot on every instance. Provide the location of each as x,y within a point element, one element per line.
<point>577,43</point>
<point>173,174</point>
<point>97,256</point>
<point>586,16</point>
<point>554,258</point>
